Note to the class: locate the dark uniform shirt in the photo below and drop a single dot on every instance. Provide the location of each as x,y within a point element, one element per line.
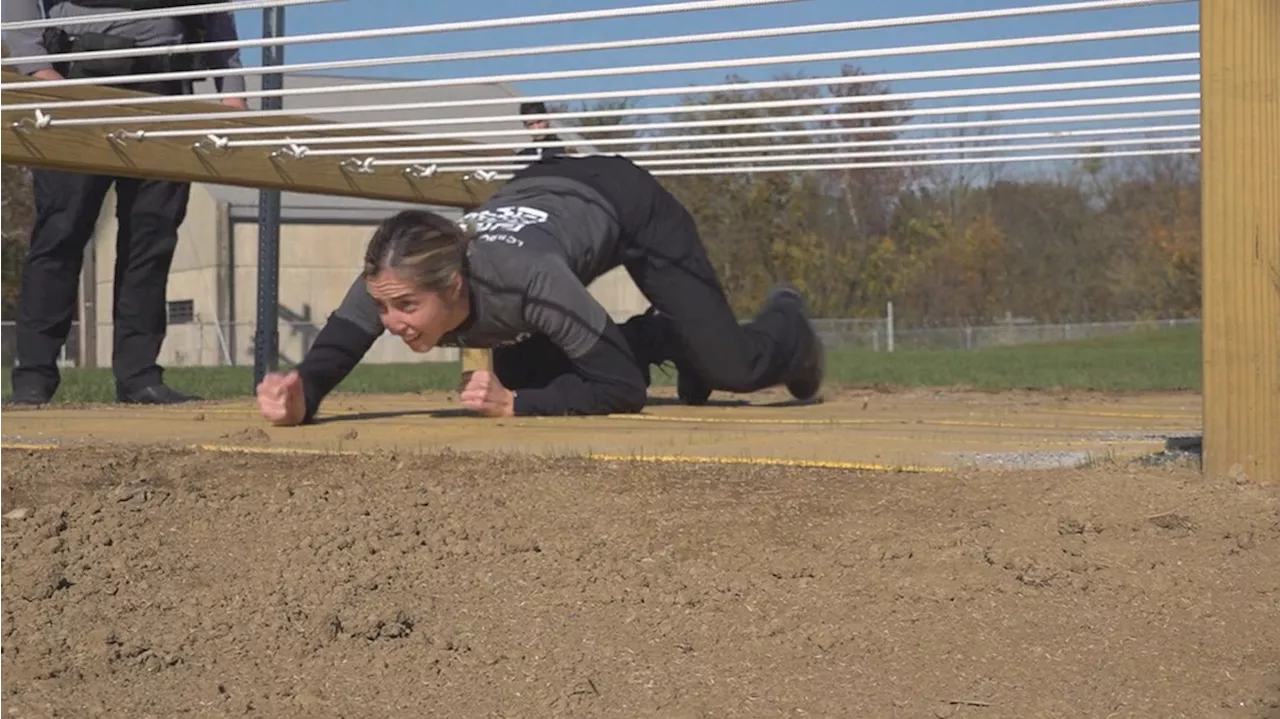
<point>145,32</point>
<point>539,243</point>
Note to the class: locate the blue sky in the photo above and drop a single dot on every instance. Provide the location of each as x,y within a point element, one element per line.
<point>361,14</point>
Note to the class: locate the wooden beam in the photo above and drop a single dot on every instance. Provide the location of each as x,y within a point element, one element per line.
<point>476,359</point>
<point>86,148</point>
<point>1240,141</point>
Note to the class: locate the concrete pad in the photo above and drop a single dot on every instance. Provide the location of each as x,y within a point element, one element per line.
<point>917,430</point>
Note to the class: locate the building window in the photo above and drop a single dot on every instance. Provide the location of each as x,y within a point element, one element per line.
<point>182,312</point>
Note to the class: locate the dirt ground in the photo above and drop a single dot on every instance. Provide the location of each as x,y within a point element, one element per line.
<point>165,582</point>
<point>398,559</point>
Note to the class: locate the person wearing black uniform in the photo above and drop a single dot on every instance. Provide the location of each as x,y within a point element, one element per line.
<point>513,276</point>
<point>541,129</point>
<point>68,203</point>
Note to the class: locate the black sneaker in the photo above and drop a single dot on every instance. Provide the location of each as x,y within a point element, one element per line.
<point>690,387</point>
<point>30,396</point>
<point>653,341</point>
<point>804,379</point>
<point>155,394</point>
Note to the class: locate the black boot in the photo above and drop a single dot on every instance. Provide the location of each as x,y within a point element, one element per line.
<point>690,387</point>
<point>653,342</point>
<point>804,377</point>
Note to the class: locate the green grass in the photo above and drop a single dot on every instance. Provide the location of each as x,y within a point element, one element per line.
<point>1158,360</point>
<point>1152,360</point>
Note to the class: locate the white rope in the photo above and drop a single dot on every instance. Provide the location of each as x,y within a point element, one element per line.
<point>819,131</point>
<point>517,162</point>
<point>518,21</point>
<point>692,109</point>
<point>739,87</point>
<point>487,173</point>
<point>824,167</point>
<point>720,107</point>
<point>853,155</point>
<point>641,69</point>
<point>177,10</point>
<point>599,45</point>
<point>973,143</point>
<point>724,122</point>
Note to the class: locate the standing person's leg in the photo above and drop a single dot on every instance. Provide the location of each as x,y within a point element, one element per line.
<point>67,206</point>
<point>670,266</point>
<point>149,213</point>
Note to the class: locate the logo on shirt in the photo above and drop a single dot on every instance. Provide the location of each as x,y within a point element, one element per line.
<point>504,219</point>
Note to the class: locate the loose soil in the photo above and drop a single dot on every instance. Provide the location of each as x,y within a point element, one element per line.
<point>153,582</point>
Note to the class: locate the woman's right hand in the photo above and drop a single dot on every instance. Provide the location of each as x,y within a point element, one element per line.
<point>280,399</point>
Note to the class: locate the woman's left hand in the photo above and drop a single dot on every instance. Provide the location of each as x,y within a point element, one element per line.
<point>482,392</point>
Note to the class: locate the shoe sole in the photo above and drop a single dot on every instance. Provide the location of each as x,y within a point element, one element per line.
<point>690,396</point>
<point>808,387</point>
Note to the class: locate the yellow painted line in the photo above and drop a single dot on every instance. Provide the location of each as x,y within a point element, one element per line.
<point>770,461</point>
<point>1180,416</point>
<point>604,457</point>
<point>835,421</point>
<point>243,449</point>
<point>659,458</point>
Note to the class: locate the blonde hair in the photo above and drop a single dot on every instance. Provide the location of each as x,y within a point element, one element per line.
<point>427,248</point>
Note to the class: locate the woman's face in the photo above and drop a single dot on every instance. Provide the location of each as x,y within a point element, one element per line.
<point>417,316</point>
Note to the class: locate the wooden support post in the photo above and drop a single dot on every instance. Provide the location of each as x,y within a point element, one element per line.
<point>1240,145</point>
<point>476,359</point>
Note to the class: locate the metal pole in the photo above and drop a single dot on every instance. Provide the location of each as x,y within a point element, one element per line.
<point>266,350</point>
<point>888,313</point>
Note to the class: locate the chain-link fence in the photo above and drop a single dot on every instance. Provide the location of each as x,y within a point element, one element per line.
<point>209,344</point>
<point>880,335</point>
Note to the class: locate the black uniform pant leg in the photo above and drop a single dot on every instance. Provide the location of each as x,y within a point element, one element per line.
<point>670,266</point>
<point>149,213</point>
<point>67,205</point>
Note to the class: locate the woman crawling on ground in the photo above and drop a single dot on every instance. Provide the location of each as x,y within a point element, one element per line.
<point>514,278</point>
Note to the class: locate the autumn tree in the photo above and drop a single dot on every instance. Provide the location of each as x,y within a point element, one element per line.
<point>951,244</point>
<point>1153,212</point>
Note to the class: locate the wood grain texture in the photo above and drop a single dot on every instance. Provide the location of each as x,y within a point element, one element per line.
<point>1240,78</point>
<point>90,149</point>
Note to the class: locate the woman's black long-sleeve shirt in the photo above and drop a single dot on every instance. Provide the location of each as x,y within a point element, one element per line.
<point>539,243</point>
